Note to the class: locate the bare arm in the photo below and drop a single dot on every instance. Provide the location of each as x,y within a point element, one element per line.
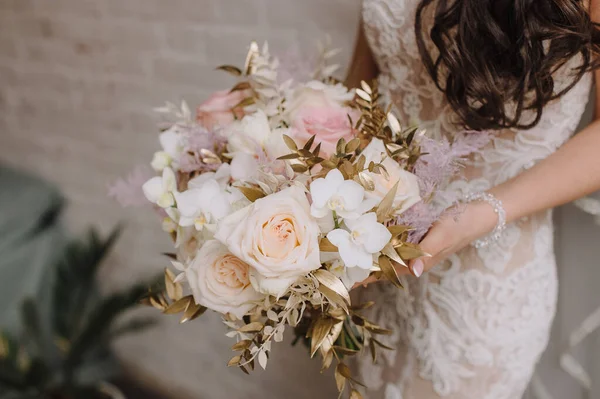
<point>362,66</point>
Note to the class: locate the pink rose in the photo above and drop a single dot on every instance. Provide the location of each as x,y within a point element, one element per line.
<point>327,123</point>
<point>219,109</point>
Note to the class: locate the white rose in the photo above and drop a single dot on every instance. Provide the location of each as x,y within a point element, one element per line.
<point>276,236</point>
<point>408,192</point>
<point>220,281</point>
<point>317,94</point>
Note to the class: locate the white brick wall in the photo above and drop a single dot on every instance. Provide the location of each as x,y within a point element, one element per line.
<point>78,80</point>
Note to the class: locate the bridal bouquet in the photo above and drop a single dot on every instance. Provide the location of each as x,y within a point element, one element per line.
<point>280,197</point>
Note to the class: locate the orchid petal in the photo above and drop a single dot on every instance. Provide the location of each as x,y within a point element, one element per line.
<point>169,180</point>
<point>377,238</point>
<point>153,189</point>
<point>352,194</point>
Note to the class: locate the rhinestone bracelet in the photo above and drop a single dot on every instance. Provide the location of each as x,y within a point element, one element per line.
<point>498,210</point>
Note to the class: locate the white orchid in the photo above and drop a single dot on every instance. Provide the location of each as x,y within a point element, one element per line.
<point>202,206</point>
<point>171,141</point>
<point>334,194</point>
<point>160,190</point>
<point>222,175</point>
<point>363,238</point>
<point>348,275</point>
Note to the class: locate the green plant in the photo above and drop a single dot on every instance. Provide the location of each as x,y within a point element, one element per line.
<point>64,353</point>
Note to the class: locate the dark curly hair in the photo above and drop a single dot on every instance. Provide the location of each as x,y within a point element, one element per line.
<point>495,59</point>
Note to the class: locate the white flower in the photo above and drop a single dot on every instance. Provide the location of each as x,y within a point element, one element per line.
<point>364,238</point>
<point>171,141</point>
<point>252,134</point>
<point>160,190</point>
<point>220,281</point>
<point>408,192</point>
<point>244,166</point>
<point>249,139</point>
<point>222,176</point>
<point>348,275</point>
<point>276,236</point>
<point>334,194</point>
<point>202,205</point>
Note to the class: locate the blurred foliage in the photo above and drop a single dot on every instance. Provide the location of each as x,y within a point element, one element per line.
<point>65,354</point>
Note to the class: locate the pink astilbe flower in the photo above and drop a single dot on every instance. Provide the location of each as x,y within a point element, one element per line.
<point>441,164</point>
<point>196,139</point>
<point>127,191</point>
<point>295,65</point>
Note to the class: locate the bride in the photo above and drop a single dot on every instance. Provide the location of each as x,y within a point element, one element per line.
<point>475,317</point>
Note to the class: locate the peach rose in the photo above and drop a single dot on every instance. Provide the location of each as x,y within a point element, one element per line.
<point>277,237</point>
<point>219,110</point>
<point>220,281</point>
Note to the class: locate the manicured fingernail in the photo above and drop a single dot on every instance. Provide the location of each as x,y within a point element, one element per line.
<point>418,268</point>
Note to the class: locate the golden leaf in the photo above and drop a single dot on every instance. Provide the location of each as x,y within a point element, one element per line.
<point>410,251</point>
<point>309,143</point>
<point>171,256</point>
<point>327,360</point>
<point>366,181</point>
<point>360,163</point>
<point>193,311</point>
<point>253,327</point>
<point>252,52</point>
<point>365,86</point>
<point>244,370</point>
<point>385,206</point>
<point>364,95</point>
<point>378,343</point>
<point>388,271</point>
<point>240,86</point>
<point>289,156</point>
<point>329,164</point>
<point>341,146</point>
<point>156,303</point>
<point>230,69</point>
<point>319,331</point>
<point>199,312</point>
<point>345,351</point>
<point>174,290</point>
<point>291,144</point>
<point>340,380</point>
<point>234,361</point>
<point>333,288</point>
<point>251,193</point>
<point>393,123</point>
<point>245,102</point>
<point>373,351</point>
<point>326,246</point>
<point>355,394</point>
<point>242,345</point>
<point>299,168</point>
<point>346,373</point>
<point>179,306</point>
<point>391,253</point>
<point>398,229</point>
<point>352,145</point>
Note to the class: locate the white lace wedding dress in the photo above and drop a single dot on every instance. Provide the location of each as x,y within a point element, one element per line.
<point>475,326</point>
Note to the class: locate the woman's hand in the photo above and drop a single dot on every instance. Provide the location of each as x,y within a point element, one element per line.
<point>448,236</point>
